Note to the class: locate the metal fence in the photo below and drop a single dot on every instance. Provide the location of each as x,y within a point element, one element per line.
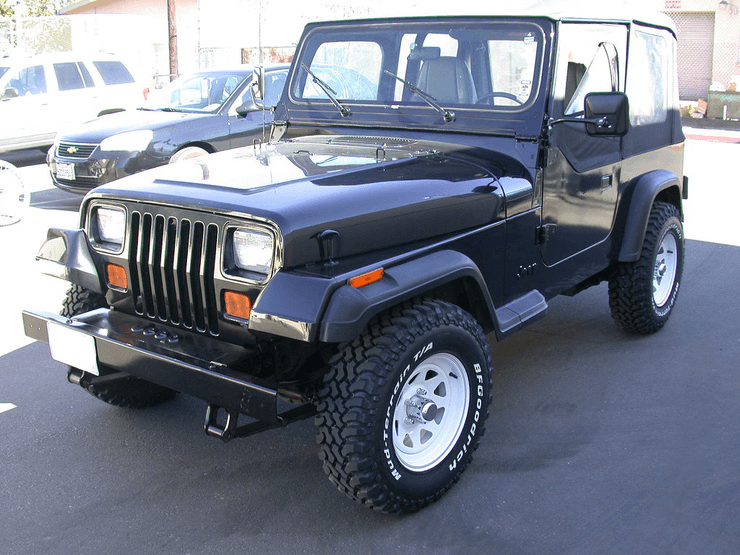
<point>708,51</point>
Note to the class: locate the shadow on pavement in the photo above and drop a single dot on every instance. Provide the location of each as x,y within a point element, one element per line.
<point>56,199</point>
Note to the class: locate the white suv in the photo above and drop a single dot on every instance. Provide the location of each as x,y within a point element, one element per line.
<point>40,95</point>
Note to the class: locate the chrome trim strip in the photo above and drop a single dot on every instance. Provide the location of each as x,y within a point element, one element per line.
<point>284,327</point>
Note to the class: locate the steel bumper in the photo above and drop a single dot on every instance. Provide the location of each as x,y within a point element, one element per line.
<point>186,362</point>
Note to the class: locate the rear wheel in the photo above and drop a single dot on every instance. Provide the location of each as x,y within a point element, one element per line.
<point>642,293</point>
<point>403,406</point>
<point>128,392</point>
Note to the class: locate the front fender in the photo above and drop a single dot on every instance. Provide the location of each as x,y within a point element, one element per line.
<point>350,308</point>
<point>66,254</point>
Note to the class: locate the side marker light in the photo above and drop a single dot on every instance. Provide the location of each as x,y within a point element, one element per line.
<point>367,279</point>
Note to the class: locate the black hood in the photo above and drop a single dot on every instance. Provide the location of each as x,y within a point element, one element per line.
<point>373,194</point>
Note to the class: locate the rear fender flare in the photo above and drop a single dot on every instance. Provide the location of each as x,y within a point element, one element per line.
<point>638,205</point>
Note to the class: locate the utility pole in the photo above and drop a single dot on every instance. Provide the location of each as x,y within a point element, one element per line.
<point>172,35</point>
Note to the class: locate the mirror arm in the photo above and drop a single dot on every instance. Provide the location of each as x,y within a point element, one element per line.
<point>598,122</point>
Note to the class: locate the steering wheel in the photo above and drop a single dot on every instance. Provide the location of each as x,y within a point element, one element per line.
<point>498,94</point>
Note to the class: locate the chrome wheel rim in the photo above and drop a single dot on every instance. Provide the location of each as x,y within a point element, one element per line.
<point>430,412</point>
<point>665,269</point>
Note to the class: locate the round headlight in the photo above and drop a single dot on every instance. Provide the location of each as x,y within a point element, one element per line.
<point>131,141</point>
<point>253,251</point>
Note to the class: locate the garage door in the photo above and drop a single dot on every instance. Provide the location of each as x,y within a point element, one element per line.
<point>695,45</point>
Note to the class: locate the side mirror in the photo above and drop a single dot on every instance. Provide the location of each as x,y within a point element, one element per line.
<point>250,105</point>
<point>10,92</point>
<point>606,113</point>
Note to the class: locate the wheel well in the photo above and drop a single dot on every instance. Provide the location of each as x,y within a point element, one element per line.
<point>671,195</point>
<point>466,294</point>
<point>205,146</point>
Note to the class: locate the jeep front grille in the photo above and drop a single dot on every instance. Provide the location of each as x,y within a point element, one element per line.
<point>172,261</point>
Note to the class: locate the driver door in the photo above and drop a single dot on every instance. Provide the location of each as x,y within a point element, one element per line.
<point>581,177</point>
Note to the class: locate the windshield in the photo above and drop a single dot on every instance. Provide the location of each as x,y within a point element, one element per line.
<point>476,65</point>
<point>196,93</point>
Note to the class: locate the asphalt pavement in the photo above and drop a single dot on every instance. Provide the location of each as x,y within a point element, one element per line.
<point>598,441</point>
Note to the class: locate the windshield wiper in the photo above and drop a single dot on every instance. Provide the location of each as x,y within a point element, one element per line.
<point>447,115</point>
<point>330,93</point>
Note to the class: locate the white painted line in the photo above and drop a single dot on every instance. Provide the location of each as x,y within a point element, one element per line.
<point>4,407</point>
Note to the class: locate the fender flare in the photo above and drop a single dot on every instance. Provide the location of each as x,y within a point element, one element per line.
<point>642,196</point>
<point>350,309</point>
<point>66,254</point>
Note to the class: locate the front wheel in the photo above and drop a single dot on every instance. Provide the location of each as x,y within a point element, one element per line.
<point>642,293</point>
<point>403,406</point>
<point>187,153</point>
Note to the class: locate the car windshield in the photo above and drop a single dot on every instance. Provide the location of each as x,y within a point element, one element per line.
<point>490,66</point>
<point>203,92</point>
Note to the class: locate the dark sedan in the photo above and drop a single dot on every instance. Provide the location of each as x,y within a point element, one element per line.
<point>197,114</point>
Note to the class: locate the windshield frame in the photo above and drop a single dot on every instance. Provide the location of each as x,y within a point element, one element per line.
<point>418,114</point>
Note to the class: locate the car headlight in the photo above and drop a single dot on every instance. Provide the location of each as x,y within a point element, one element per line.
<point>131,141</point>
<point>108,227</point>
<point>253,251</point>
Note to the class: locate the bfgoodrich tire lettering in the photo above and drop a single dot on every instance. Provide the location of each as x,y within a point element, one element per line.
<point>129,392</point>
<point>642,293</point>
<point>403,406</point>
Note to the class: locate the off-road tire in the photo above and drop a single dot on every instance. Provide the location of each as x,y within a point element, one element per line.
<point>642,294</point>
<point>432,354</point>
<point>128,392</point>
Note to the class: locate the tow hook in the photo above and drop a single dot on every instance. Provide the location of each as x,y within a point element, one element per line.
<point>230,428</point>
<point>75,376</point>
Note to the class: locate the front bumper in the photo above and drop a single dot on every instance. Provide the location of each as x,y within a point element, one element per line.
<point>186,362</point>
<point>99,168</point>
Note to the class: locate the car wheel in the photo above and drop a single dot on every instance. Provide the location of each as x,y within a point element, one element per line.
<point>187,153</point>
<point>14,200</point>
<point>403,406</point>
<point>131,392</point>
<point>642,293</point>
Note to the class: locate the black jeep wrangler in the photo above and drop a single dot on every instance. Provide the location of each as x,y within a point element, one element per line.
<point>426,182</point>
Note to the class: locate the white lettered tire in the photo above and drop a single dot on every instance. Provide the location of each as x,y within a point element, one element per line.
<point>404,405</point>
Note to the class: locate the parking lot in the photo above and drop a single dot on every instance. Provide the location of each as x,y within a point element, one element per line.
<point>598,441</point>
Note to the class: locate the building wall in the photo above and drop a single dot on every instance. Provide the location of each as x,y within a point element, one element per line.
<point>226,32</point>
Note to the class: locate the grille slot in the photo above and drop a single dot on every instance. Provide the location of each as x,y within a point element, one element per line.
<point>80,151</point>
<point>172,264</point>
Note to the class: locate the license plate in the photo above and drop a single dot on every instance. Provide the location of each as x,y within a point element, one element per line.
<point>65,171</point>
<point>73,347</point>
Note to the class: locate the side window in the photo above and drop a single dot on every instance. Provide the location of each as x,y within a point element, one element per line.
<point>648,82</point>
<point>597,77</point>
<point>113,72</point>
<point>30,80</point>
<point>274,83</point>
<point>590,58</point>
<point>68,76</point>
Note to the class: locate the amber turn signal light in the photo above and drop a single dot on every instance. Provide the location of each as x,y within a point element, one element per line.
<point>366,279</point>
<point>116,276</point>
<point>237,305</point>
